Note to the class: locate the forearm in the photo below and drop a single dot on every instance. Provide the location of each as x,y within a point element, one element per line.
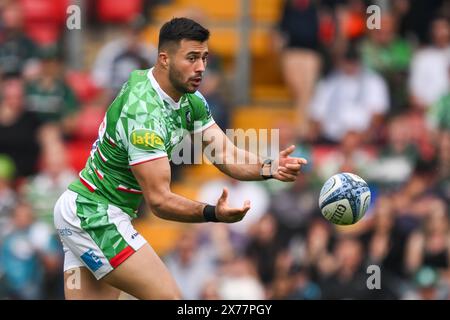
<point>242,165</point>
<point>174,207</point>
<point>227,157</point>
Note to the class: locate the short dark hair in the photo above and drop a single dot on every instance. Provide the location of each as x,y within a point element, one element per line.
<point>178,29</point>
<point>352,52</point>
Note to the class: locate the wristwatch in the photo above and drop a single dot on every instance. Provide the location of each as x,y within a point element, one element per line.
<point>266,169</point>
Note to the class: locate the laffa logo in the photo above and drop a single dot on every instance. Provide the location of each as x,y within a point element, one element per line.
<point>145,139</point>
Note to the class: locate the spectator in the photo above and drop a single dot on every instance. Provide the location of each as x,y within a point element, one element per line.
<point>349,156</point>
<point>417,18</point>
<point>43,189</point>
<point>348,281</point>
<point>212,89</point>
<point>49,96</point>
<point>384,240</point>
<point>16,49</point>
<point>264,247</point>
<point>429,78</point>
<point>356,98</point>
<point>293,208</point>
<point>281,288</point>
<point>18,128</point>
<point>238,281</point>
<point>420,135</point>
<point>238,192</point>
<point>427,286</point>
<point>385,245</point>
<point>303,287</point>
<point>430,246</point>
<point>27,253</point>
<point>299,38</point>
<point>190,264</point>
<point>118,58</point>
<point>313,255</point>
<point>389,55</point>
<point>397,157</point>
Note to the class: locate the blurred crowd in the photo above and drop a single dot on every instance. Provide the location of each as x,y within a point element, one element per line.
<point>375,102</point>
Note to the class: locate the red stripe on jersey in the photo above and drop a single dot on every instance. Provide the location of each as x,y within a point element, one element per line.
<point>111,142</point>
<point>129,190</point>
<point>99,174</point>
<point>86,184</point>
<point>101,155</point>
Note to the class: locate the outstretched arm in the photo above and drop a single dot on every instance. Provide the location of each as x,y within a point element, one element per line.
<point>154,179</point>
<point>284,168</point>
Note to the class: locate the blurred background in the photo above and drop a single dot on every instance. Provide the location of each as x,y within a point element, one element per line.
<point>372,102</point>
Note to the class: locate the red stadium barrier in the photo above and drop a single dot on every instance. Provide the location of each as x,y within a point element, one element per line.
<point>118,10</point>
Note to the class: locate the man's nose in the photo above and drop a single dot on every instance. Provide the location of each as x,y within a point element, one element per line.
<point>200,66</point>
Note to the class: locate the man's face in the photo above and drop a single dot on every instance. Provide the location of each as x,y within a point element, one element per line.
<point>186,65</point>
<point>440,32</point>
<point>13,94</point>
<point>350,67</point>
<point>12,17</point>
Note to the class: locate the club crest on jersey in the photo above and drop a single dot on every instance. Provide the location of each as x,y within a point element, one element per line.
<point>188,117</point>
<point>208,110</point>
<point>145,139</point>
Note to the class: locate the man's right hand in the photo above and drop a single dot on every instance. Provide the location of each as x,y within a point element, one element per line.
<point>229,215</point>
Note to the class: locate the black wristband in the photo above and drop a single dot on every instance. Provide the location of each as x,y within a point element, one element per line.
<point>209,213</point>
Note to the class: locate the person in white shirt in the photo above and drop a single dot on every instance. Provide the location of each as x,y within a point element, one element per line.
<point>351,98</point>
<point>429,78</point>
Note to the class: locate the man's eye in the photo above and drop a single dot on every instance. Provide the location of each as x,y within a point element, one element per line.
<point>191,59</point>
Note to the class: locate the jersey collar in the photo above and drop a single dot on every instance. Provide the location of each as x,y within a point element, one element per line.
<point>164,96</point>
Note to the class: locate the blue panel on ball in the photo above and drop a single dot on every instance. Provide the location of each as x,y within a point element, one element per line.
<point>328,185</point>
<point>350,190</point>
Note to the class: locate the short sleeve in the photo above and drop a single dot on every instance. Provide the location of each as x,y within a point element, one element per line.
<point>146,141</point>
<point>201,113</point>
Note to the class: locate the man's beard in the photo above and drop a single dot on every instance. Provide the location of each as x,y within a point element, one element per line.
<point>175,79</point>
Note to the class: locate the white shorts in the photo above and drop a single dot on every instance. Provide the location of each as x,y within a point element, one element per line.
<point>95,235</point>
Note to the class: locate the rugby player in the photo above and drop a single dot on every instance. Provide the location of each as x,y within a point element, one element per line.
<point>130,161</point>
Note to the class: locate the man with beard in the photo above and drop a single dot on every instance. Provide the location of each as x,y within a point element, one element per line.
<point>130,160</point>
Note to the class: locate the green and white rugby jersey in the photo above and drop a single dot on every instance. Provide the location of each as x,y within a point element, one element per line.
<point>142,124</point>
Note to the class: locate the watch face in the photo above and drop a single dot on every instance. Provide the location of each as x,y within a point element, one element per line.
<point>266,169</point>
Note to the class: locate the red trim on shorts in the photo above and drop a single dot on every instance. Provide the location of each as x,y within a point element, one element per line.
<point>121,256</point>
<point>87,185</point>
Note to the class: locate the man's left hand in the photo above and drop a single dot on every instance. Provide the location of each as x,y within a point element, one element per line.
<point>287,168</point>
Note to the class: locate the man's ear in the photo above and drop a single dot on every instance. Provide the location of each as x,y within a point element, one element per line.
<point>163,58</point>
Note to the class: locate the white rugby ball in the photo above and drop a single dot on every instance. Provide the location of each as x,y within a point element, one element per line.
<point>344,198</point>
